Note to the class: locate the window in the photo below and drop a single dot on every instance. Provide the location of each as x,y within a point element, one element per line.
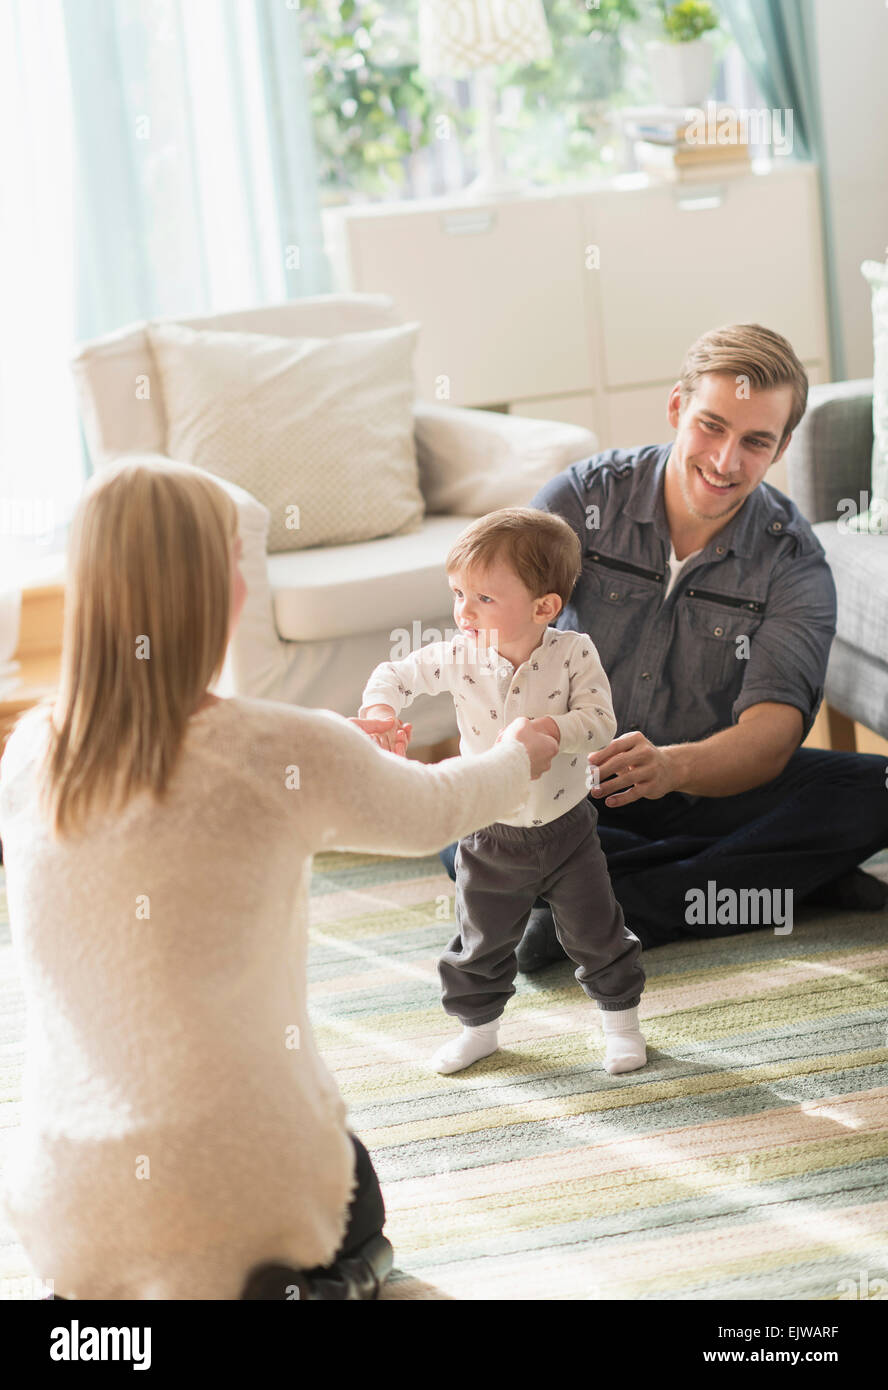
<point>383,130</point>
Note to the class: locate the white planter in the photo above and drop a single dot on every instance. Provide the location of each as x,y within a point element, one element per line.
<point>681,73</point>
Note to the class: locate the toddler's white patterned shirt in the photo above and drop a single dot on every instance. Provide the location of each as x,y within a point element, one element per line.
<point>562,678</point>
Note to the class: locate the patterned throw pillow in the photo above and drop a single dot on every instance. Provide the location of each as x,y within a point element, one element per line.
<point>875,519</point>
<point>320,430</point>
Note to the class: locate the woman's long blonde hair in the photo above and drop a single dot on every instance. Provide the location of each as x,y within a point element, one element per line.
<point>147,611</point>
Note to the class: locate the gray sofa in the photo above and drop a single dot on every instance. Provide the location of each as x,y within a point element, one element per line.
<point>828,467</point>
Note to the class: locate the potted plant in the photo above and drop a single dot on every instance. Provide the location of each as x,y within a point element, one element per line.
<point>681,63</point>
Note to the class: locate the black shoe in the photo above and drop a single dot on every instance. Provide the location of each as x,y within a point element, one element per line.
<point>539,945</point>
<point>856,891</point>
<point>357,1276</point>
<point>362,1273</point>
<point>276,1282</point>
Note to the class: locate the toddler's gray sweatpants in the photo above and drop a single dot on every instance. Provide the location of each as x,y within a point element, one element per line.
<point>500,872</point>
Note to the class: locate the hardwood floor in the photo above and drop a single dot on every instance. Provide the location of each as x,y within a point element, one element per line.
<point>867,741</point>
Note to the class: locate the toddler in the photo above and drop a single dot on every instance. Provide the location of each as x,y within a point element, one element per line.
<point>511,573</point>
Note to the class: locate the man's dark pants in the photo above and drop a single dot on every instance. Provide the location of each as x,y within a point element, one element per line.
<point>825,814</point>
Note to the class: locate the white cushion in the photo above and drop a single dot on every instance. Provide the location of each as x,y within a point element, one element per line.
<point>320,430</point>
<point>475,461</point>
<point>110,377</point>
<point>317,316</point>
<point>108,370</point>
<point>342,590</point>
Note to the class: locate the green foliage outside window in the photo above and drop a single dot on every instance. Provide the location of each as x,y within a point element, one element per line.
<point>372,108</point>
<point>688,20</point>
<point>563,120</point>
<point>370,105</point>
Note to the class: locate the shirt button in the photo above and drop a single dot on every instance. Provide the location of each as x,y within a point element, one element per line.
<point>719,550</point>
<point>504,670</point>
<point>645,675</point>
<point>776,525</point>
<point>719,631</point>
<point>613,594</point>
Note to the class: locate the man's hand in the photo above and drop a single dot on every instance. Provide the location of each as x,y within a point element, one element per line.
<point>383,726</point>
<point>636,768</point>
<point>750,753</point>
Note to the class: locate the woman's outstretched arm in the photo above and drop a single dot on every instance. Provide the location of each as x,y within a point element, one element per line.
<point>359,797</point>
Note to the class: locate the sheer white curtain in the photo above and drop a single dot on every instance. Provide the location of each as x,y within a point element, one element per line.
<point>178,193</point>
<point>40,456</point>
<point>155,160</point>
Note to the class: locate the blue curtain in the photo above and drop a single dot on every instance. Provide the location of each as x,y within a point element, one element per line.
<point>777,39</point>
<point>195,184</point>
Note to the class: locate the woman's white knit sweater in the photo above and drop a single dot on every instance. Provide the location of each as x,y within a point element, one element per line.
<point>179,1126</point>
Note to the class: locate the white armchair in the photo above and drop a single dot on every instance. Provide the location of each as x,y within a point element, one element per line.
<point>317,621</point>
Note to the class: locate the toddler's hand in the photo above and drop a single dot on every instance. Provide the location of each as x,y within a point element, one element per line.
<point>382,725</point>
<point>395,739</point>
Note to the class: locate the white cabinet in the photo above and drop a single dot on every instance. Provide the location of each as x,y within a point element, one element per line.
<point>676,260</point>
<point>487,283</point>
<point>580,304</point>
<point>638,415</point>
<point>581,409</point>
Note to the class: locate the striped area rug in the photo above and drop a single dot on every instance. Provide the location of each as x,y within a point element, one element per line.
<point>748,1159</point>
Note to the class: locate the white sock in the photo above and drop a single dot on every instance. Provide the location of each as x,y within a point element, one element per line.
<point>471,1045</point>
<point>624,1044</point>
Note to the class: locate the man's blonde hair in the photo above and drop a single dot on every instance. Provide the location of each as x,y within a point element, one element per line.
<point>542,549</point>
<point>758,355</point>
<point>147,611</point>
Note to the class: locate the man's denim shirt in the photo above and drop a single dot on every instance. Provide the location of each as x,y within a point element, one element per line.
<point>679,667</point>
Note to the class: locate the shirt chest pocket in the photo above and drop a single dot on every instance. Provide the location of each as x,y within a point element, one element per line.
<point>619,601</point>
<point>719,630</point>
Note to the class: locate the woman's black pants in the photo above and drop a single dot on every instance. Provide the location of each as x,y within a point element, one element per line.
<point>361,1263</point>
<point>366,1215</point>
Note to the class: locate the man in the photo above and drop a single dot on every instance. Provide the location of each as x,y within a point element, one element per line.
<point>713,609</point>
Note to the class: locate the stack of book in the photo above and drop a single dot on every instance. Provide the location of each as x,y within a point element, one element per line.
<point>690,143</point>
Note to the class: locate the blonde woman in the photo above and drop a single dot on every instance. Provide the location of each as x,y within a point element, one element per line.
<point>181,1137</point>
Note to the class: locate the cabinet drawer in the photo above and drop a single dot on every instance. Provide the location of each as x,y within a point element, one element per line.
<point>500,291</point>
<point>571,410</point>
<point>638,417</point>
<point>677,260</point>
